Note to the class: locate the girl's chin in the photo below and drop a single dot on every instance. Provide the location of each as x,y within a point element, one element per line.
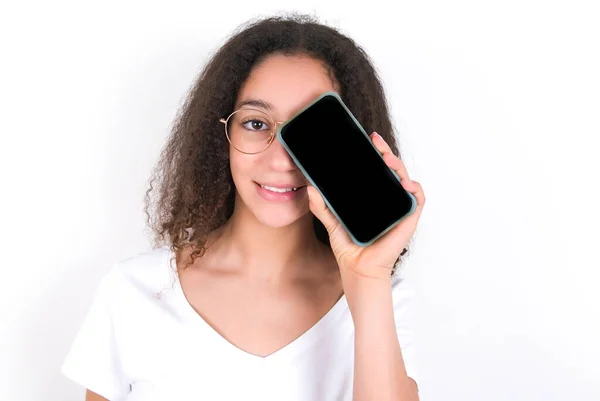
<point>280,215</point>
<point>277,220</point>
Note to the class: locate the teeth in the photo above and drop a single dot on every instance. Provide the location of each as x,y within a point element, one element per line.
<point>280,190</point>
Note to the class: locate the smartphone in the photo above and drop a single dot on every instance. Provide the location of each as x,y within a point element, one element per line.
<point>338,158</point>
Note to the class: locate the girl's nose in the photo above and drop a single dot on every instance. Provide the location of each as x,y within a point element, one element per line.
<point>279,159</point>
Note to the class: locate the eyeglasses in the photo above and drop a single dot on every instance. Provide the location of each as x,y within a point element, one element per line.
<point>250,130</point>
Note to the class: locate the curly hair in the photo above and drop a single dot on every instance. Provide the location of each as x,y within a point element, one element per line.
<point>193,178</point>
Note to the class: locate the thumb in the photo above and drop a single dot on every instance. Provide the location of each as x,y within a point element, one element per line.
<point>319,208</point>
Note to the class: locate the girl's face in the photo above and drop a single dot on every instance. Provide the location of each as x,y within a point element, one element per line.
<point>285,84</point>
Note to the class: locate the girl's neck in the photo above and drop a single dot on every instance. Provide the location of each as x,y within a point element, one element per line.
<point>281,255</point>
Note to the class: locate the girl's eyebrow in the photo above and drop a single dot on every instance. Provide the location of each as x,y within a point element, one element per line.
<point>256,103</point>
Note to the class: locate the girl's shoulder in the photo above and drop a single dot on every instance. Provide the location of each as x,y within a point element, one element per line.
<point>148,272</point>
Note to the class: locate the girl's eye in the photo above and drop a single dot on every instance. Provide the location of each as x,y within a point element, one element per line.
<point>255,125</point>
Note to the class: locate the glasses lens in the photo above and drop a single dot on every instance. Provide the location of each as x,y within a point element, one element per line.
<point>249,130</point>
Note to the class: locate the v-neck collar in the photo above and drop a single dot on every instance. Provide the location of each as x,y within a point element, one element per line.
<point>284,354</point>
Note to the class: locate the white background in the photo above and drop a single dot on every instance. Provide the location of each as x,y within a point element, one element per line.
<point>497,107</point>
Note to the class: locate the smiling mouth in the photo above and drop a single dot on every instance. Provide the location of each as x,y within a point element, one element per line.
<point>281,190</point>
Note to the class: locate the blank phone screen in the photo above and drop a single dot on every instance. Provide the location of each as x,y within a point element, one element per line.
<point>350,173</point>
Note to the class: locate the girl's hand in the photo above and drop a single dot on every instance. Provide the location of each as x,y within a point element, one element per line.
<point>376,260</point>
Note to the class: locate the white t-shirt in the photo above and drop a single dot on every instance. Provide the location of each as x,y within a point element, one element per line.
<point>142,341</point>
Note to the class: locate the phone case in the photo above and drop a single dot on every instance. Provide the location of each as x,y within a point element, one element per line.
<point>309,178</point>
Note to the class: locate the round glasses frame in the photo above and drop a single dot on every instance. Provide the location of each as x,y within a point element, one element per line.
<point>274,124</point>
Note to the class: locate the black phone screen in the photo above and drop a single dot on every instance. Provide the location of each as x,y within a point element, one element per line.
<point>350,173</point>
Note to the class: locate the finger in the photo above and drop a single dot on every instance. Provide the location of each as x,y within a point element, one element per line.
<point>391,160</point>
<point>397,165</point>
<point>380,143</point>
<point>319,208</point>
<point>416,190</point>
